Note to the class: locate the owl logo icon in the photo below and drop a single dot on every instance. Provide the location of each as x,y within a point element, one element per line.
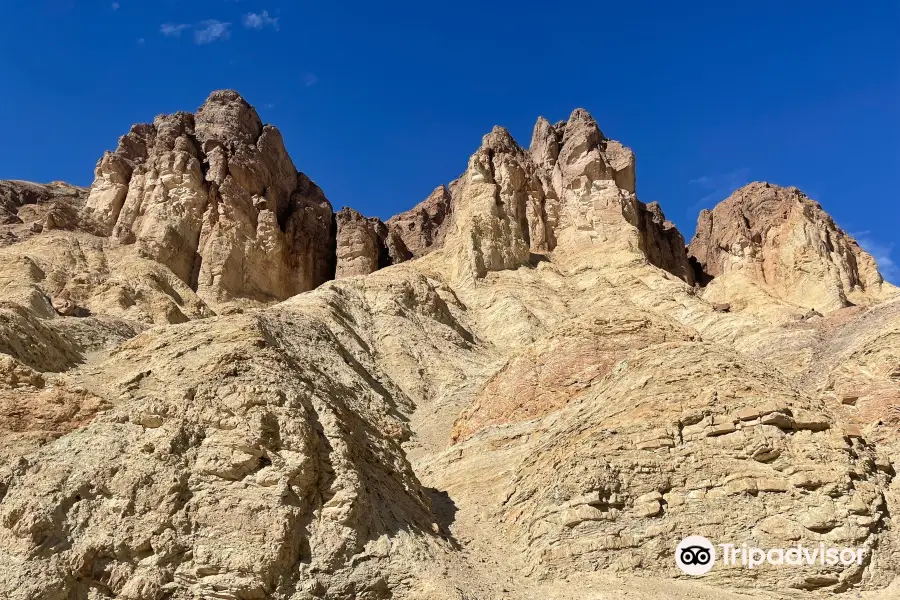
<point>695,555</point>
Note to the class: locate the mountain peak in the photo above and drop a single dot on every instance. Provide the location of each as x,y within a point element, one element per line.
<point>780,239</point>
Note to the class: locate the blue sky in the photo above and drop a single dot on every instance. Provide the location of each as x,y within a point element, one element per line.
<point>381,102</point>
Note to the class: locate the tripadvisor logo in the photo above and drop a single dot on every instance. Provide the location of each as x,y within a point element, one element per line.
<point>696,555</point>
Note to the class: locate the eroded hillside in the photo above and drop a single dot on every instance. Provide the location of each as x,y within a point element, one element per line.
<point>213,385</point>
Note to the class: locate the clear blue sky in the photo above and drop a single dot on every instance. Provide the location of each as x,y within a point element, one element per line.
<point>381,102</point>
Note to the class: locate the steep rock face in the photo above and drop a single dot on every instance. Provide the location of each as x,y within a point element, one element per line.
<point>593,208</point>
<point>215,197</point>
<point>365,245</point>
<point>572,191</point>
<point>490,229</point>
<point>594,178</point>
<point>358,245</point>
<point>422,228</point>
<point>662,243</point>
<point>779,239</point>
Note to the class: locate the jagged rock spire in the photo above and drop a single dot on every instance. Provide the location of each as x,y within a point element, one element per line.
<point>216,198</point>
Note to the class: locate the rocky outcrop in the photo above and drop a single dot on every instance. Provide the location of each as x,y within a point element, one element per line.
<point>358,245</point>
<point>571,193</point>
<point>597,204</point>
<point>215,197</point>
<point>365,245</point>
<point>422,228</point>
<point>28,198</point>
<point>686,439</point>
<point>662,243</point>
<point>540,405</point>
<point>490,228</point>
<point>780,240</point>
<point>29,208</point>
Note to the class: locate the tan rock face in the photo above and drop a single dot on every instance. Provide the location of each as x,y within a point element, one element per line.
<point>779,239</point>
<point>215,197</point>
<point>29,208</point>
<point>34,412</point>
<point>489,230</point>
<point>60,273</point>
<point>572,193</point>
<point>365,245</point>
<point>358,245</point>
<point>217,474</point>
<point>641,461</point>
<point>546,374</point>
<point>422,229</point>
<point>662,243</point>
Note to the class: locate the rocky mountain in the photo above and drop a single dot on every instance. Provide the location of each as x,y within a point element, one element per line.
<point>213,385</point>
<point>215,198</point>
<point>783,242</point>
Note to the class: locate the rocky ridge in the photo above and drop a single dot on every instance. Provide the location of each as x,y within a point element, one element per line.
<point>780,240</point>
<point>516,389</point>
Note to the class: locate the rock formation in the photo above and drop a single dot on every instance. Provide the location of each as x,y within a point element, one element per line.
<point>422,228</point>
<point>212,386</point>
<point>29,208</point>
<point>572,192</point>
<point>779,239</point>
<point>215,197</point>
<point>365,245</point>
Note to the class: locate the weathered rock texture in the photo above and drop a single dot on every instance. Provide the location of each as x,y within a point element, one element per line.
<point>365,245</point>
<point>781,240</point>
<point>215,197</point>
<point>30,208</point>
<point>422,229</point>
<point>545,375</point>
<point>572,193</point>
<point>533,401</point>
